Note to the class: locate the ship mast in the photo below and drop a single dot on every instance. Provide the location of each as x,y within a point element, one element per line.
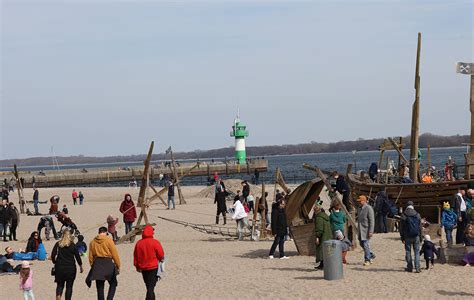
<point>415,121</point>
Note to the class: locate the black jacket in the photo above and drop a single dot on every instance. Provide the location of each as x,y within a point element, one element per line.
<point>5,214</point>
<point>409,212</point>
<point>245,191</point>
<point>36,195</point>
<point>64,260</point>
<point>341,185</point>
<point>279,224</point>
<point>428,249</point>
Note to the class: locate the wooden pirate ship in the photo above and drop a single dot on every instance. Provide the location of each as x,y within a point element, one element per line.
<point>427,197</point>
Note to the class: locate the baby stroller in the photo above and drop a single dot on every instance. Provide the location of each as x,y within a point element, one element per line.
<point>67,224</point>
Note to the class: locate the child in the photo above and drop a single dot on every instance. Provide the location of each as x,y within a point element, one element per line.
<point>111,227</point>
<point>26,280</point>
<point>81,246</point>
<point>448,220</point>
<point>65,210</point>
<point>346,244</point>
<point>429,250</point>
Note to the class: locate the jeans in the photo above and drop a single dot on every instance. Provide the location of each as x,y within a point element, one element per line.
<point>415,244</point>
<point>449,234</point>
<point>128,227</point>
<point>2,230</point>
<point>100,284</point>
<point>60,288</point>
<point>368,255</point>
<point>150,278</point>
<point>241,224</point>
<point>81,200</point>
<point>35,204</point>
<point>461,228</point>
<point>28,294</point>
<point>171,200</point>
<point>280,241</point>
<point>250,204</point>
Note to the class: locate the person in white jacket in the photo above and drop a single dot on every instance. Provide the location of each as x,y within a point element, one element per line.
<point>241,217</point>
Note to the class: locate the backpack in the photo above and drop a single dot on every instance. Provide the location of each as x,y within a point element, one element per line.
<point>412,228</point>
<point>392,208</point>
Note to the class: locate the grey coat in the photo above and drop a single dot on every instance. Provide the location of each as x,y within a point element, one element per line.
<point>366,221</point>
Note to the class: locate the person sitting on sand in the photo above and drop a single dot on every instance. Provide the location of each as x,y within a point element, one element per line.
<point>323,232</point>
<point>33,242</point>
<point>469,241</point>
<point>65,210</point>
<point>429,250</point>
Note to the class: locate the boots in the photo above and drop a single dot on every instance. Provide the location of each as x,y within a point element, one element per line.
<point>217,220</point>
<point>344,253</point>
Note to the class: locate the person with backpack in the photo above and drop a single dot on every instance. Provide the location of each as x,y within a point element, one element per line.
<point>410,233</point>
<point>448,221</point>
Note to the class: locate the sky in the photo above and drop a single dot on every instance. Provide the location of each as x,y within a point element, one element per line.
<point>107,77</point>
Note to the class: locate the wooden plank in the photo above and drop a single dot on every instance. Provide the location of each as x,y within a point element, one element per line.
<point>415,131</point>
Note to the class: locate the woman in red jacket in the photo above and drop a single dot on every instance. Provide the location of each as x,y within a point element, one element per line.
<point>127,208</point>
<point>146,256</point>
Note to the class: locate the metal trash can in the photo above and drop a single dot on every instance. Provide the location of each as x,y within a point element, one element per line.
<point>332,257</point>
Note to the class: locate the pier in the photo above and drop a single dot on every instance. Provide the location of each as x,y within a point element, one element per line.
<point>74,177</point>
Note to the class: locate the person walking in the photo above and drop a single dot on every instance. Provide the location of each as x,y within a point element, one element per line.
<point>15,214</point>
<point>171,195</point>
<point>366,223</point>
<point>127,208</point>
<point>81,198</point>
<point>26,281</point>
<point>323,232</point>
<point>460,207</point>
<point>105,264</point>
<point>429,250</point>
<point>36,200</point>
<point>147,255</point>
<point>219,199</point>
<point>240,216</point>
<point>74,197</point>
<point>64,257</point>
<point>410,233</point>
<point>279,225</point>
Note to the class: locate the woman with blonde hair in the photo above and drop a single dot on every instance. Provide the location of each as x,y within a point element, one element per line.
<point>64,257</point>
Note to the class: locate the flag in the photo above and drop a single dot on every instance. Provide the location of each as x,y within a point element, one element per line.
<point>168,151</point>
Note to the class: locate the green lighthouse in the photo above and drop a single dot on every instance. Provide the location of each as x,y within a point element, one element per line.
<point>239,132</point>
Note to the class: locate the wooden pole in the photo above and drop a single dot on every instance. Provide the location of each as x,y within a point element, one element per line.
<point>400,153</point>
<point>263,222</point>
<point>428,157</point>
<point>382,151</point>
<point>415,118</point>
<point>176,181</point>
<point>19,185</point>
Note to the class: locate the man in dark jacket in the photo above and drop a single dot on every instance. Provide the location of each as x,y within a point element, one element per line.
<point>14,215</point>
<point>5,217</point>
<point>221,193</point>
<point>245,190</point>
<point>410,233</point>
<point>171,195</point>
<point>343,188</point>
<point>460,208</point>
<point>36,200</point>
<point>279,226</point>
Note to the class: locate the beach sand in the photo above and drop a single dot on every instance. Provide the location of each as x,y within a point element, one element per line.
<point>210,266</point>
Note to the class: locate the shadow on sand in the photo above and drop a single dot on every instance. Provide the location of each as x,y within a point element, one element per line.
<point>263,253</point>
<point>447,293</point>
<point>369,269</point>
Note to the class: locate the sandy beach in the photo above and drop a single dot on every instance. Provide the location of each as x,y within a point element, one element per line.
<point>211,266</point>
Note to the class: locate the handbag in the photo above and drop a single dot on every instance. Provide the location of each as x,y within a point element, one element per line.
<point>53,271</point>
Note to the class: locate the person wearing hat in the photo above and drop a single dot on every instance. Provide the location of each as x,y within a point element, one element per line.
<point>105,264</point>
<point>410,234</point>
<point>366,224</point>
<point>323,232</point>
<point>26,280</point>
<point>448,221</point>
<point>429,250</point>
<point>147,255</point>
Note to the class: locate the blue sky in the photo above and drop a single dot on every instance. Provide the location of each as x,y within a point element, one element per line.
<point>107,77</point>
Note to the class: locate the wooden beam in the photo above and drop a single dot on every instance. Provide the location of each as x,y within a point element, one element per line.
<point>263,223</point>
<point>397,148</point>
<point>19,185</point>
<point>415,123</point>
<point>175,175</point>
